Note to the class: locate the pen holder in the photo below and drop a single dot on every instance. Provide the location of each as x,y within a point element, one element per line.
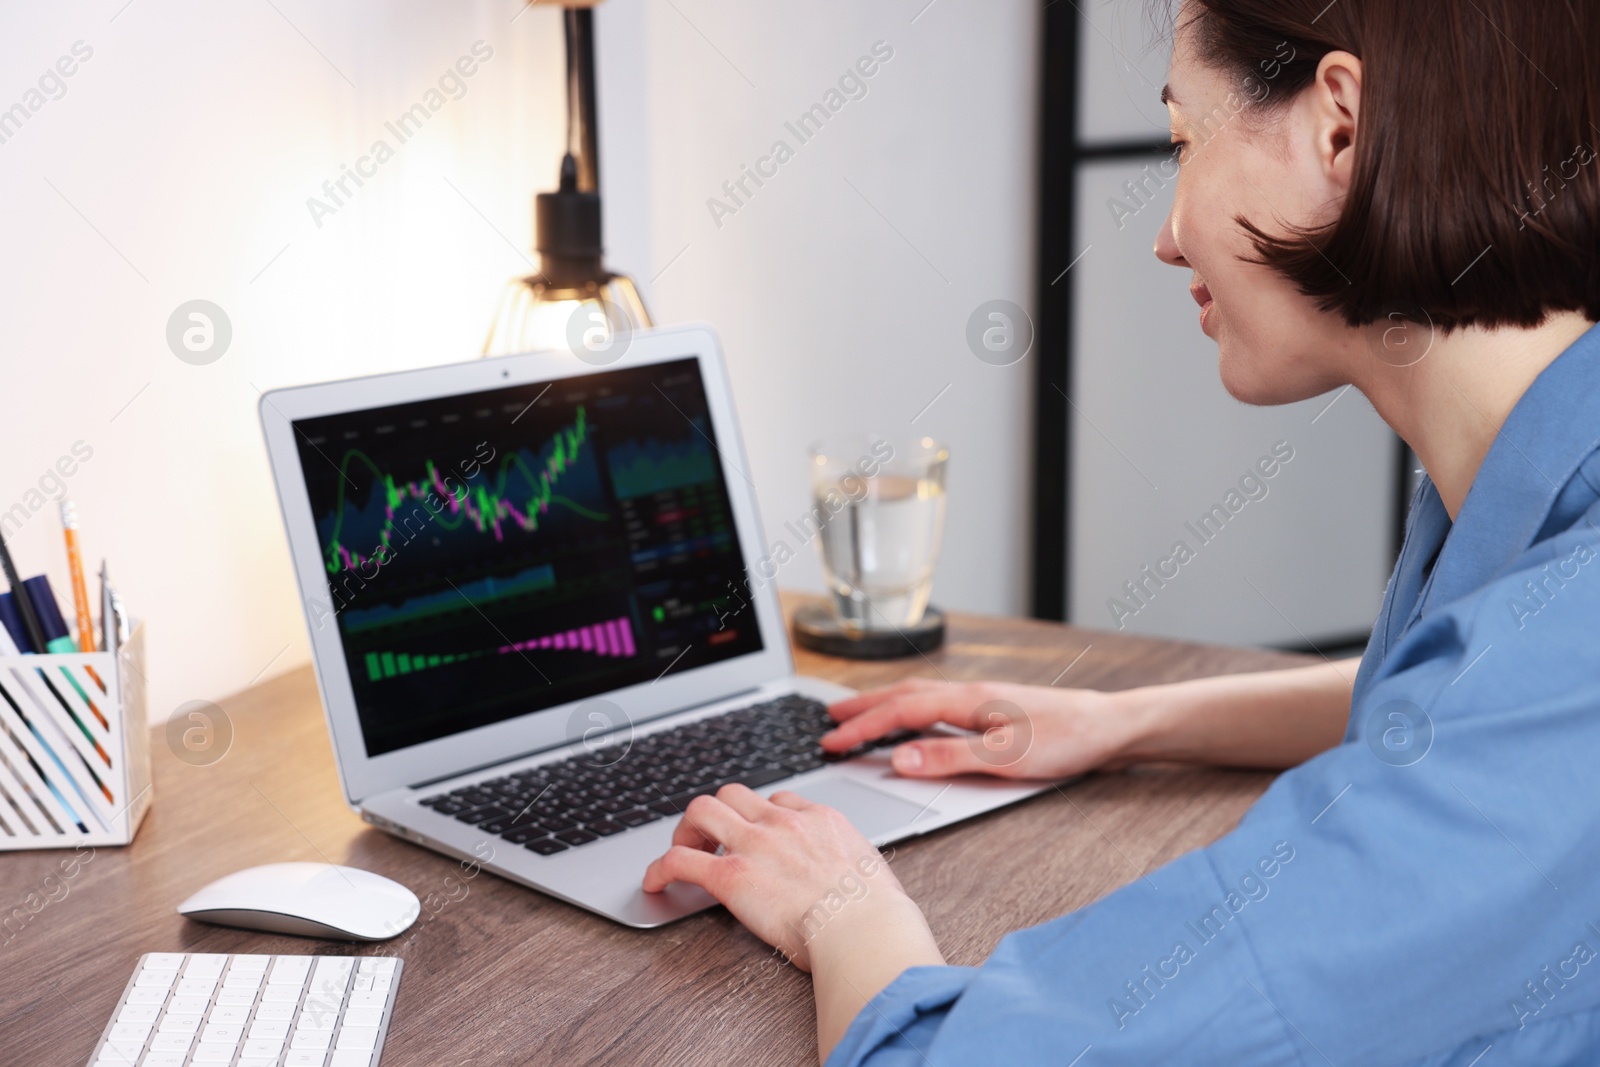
<point>74,747</point>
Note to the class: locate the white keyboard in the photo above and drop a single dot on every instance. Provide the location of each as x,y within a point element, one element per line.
<point>251,1011</point>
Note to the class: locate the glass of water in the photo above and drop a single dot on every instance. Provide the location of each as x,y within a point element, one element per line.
<point>879,504</point>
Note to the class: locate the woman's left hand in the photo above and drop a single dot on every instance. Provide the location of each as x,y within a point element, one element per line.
<point>787,867</point>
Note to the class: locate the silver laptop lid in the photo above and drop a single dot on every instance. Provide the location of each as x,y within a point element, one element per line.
<point>496,556</point>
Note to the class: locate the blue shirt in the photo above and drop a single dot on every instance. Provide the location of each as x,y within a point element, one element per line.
<point>1426,889</point>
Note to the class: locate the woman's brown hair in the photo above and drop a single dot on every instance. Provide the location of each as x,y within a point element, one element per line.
<point>1475,193</point>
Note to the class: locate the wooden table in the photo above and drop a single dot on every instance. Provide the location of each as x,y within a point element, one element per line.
<point>496,973</point>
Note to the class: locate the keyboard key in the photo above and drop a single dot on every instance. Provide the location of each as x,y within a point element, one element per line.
<point>377,964</point>
<point>304,1058</point>
<point>278,1013</point>
<point>188,1006</point>
<point>149,979</point>
<point>236,998</point>
<point>196,987</point>
<point>228,1013</point>
<point>256,964</point>
<point>577,837</point>
<point>350,1058</point>
<point>147,995</point>
<point>139,1013</point>
<point>222,1033</point>
<point>163,961</point>
<point>355,1015</point>
<point>545,846</point>
<point>637,817</point>
<point>311,1039</point>
<point>214,1053</point>
<point>289,970</point>
<point>326,997</point>
<point>262,1047</point>
<point>361,1038</point>
<point>130,1033</point>
<point>765,776</point>
<point>180,1024</point>
<point>268,1030</point>
<point>171,1042</point>
<point>367,999</point>
<point>451,806</point>
<point>164,1059</point>
<point>203,964</point>
<point>119,1054</point>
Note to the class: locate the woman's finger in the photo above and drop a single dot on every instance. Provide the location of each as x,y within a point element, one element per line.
<point>998,752</point>
<point>909,711</point>
<point>785,798</point>
<point>746,801</point>
<point>852,706</point>
<point>681,863</point>
<point>707,822</point>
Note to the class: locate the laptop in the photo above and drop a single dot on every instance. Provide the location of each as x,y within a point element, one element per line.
<point>543,617</point>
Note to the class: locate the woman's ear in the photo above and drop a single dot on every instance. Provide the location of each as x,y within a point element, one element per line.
<point>1335,103</point>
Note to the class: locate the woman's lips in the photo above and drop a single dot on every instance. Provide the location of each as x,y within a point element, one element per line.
<point>1202,296</point>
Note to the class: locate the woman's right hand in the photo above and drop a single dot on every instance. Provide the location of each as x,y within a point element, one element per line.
<point>1018,731</point>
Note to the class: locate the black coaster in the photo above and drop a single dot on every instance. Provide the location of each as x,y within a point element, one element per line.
<point>817,628</point>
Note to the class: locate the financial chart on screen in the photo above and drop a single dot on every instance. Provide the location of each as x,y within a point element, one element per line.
<point>500,552</point>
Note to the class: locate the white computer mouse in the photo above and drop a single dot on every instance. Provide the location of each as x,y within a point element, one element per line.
<point>308,899</point>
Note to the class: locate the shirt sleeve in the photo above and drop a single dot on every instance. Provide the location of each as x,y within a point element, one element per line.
<point>1426,889</point>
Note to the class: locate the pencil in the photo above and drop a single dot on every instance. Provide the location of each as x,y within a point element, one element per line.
<point>80,588</point>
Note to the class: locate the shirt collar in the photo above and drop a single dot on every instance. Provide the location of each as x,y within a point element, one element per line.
<point>1551,430</point>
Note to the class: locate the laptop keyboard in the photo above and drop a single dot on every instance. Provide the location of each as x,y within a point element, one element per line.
<point>608,790</point>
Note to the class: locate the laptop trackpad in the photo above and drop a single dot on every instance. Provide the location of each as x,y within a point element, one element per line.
<point>872,811</point>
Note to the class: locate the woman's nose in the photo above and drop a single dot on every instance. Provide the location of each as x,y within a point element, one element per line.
<point>1167,247</point>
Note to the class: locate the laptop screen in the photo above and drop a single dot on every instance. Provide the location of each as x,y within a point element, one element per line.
<point>498,552</point>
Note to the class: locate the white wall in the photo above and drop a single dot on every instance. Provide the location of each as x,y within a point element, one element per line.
<point>190,142</point>
<point>842,286</point>
<point>178,165</point>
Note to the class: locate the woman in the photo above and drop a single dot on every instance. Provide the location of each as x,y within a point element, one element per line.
<point>1409,205</point>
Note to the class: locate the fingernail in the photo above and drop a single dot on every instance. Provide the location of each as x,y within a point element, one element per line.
<point>907,758</point>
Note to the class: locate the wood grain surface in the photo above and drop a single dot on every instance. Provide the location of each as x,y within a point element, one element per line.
<point>496,973</point>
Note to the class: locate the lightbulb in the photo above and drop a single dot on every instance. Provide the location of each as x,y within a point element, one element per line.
<point>594,321</point>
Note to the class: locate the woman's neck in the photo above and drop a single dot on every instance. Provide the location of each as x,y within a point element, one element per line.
<point>1450,404</point>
